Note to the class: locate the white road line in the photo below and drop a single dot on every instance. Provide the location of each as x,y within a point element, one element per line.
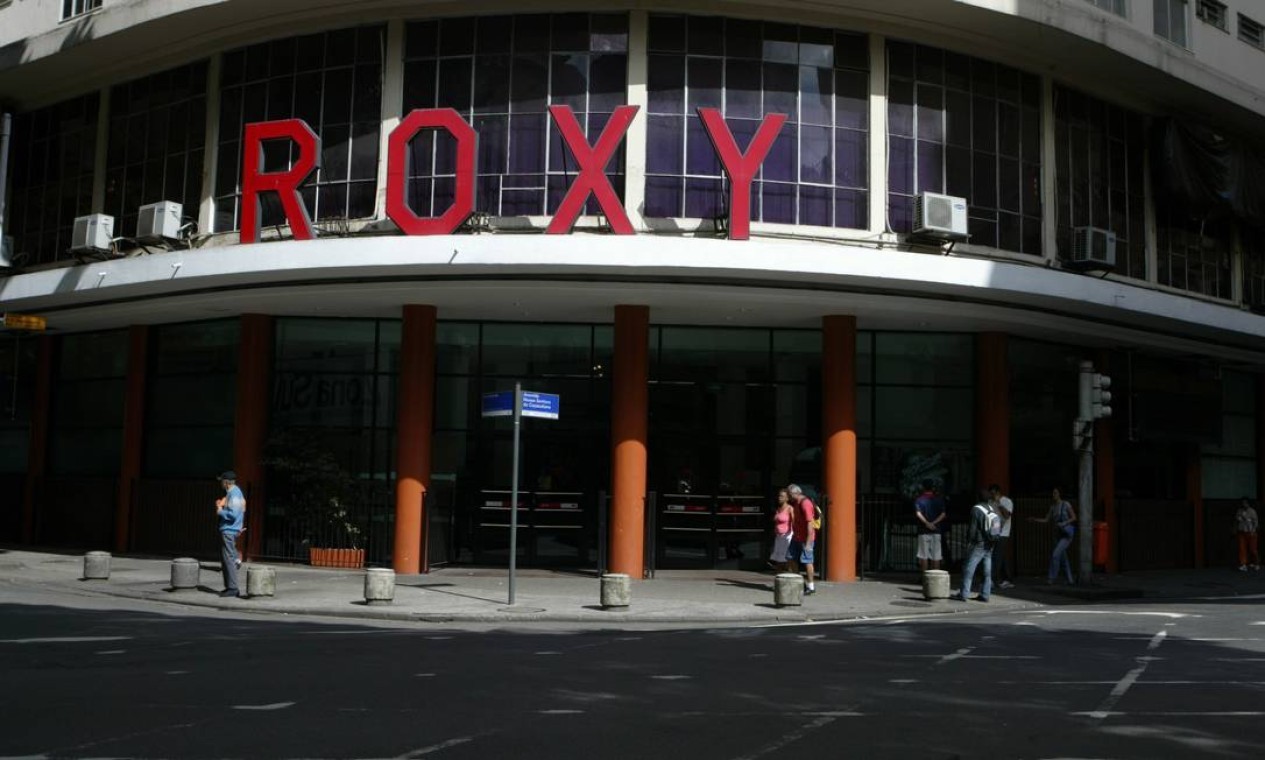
<point>671,678</point>
<point>423,675</point>
<point>1129,679</point>
<point>66,640</point>
<point>1173,615</point>
<point>273,706</point>
<point>548,652</point>
<point>1237,659</point>
<point>559,712</point>
<point>112,651</point>
<point>793,736</point>
<point>437,747</point>
<point>955,656</point>
<point>1204,639</point>
<point>1176,714</point>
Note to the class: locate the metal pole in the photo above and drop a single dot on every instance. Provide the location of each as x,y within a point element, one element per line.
<point>6,129</point>
<point>518,423</point>
<point>1085,500</point>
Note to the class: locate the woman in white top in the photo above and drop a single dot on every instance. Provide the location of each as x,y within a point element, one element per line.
<point>1064,519</point>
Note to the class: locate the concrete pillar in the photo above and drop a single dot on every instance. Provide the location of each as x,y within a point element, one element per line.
<point>37,458</point>
<point>788,590</point>
<point>250,421</point>
<point>185,573</point>
<point>379,585</point>
<point>616,590</point>
<point>839,447</point>
<point>133,432</point>
<point>96,566</point>
<point>992,412</point>
<point>414,421</point>
<point>935,584</point>
<point>261,580</point>
<point>629,424</point>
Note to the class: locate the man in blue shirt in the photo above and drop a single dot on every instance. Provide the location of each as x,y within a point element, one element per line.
<point>230,509</point>
<point>930,513</point>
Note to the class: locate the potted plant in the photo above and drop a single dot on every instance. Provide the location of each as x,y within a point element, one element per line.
<point>319,495</point>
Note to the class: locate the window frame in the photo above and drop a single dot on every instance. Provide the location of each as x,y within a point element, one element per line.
<point>1169,17</point>
<point>1214,13</point>
<point>1250,23</point>
<point>1110,6</point>
<point>73,9</point>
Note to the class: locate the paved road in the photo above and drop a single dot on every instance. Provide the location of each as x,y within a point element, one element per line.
<point>93,678</point>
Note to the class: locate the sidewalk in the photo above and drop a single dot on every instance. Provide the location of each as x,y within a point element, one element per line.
<point>472,595</point>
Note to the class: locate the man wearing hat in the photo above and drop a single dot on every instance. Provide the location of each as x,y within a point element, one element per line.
<point>230,509</point>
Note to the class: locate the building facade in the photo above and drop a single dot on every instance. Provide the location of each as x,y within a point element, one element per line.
<point>704,225</point>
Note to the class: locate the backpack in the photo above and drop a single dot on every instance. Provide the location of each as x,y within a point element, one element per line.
<point>818,517</point>
<point>992,523</point>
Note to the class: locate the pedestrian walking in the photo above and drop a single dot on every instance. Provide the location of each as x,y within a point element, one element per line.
<point>1246,525</point>
<point>981,538</point>
<point>1063,517</point>
<point>929,510</point>
<point>1005,508</point>
<point>783,523</point>
<point>230,509</point>
<point>803,535</point>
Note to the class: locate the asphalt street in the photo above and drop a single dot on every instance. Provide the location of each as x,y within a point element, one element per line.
<point>87,677</point>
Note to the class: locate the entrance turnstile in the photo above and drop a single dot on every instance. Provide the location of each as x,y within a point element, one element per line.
<point>703,531</point>
<point>555,529</point>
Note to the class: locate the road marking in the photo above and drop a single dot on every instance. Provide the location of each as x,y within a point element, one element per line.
<point>758,654</point>
<point>66,640</point>
<point>671,678</point>
<point>423,675</point>
<point>548,652</point>
<point>437,747</point>
<point>1177,714</point>
<point>793,736</point>
<point>112,651</point>
<point>177,672</point>
<point>903,681</point>
<point>1219,639</point>
<point>955,656</point>
<point>811,637</point>
<point>1130,678</point>
<point>559,712</point>
<point>273,706</point>
<point>1173,615</point>
<point>1237,659</point>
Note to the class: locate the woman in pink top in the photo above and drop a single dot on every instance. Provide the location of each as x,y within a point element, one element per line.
<point>783,515</point>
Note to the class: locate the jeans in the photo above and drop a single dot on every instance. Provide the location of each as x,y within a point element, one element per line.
<point>1059,557</point>
<point>228,557</point>
<point>979,552</point>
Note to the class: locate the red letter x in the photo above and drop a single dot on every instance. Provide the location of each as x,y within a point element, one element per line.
<point>284,184</point>
<point>592,177</point>
<point>740,168</point>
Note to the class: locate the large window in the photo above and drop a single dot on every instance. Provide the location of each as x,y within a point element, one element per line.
<point>1254,277</point>
<point>333,81</point>
<point>54,152</point>
<point>192,392</point>
<point>1229,468</point>
<point>1170,21</point>
<point>87,410</point>
<point>1100,155</point>
<point>157,137</point>
<point>969,128</point>
<point>72,8</point>
<point>501,73</point>
<point>817,170</point>
<point>1194,253</point>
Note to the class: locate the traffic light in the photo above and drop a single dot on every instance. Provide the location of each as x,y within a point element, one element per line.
<point>1100,396</point>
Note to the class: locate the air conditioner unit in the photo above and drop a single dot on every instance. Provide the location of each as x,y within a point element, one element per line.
<point>1093,248</point>
<point>6,252</point>
<point>92,233</point>
<point>940,216</point>
<point>159,221</point>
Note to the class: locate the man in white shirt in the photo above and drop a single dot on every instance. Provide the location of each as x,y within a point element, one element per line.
<point>1001,552</point>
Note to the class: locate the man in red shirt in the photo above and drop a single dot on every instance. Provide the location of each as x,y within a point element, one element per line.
<point>803,535</point>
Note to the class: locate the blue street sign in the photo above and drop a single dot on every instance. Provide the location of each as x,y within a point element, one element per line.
<point>498,404</point>
<point>543,405</point>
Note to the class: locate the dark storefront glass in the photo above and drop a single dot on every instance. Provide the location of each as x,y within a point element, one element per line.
<point>1043,399</point>
<point>817,170</point>
<point>1230,466</point>
<point>332,81</point>
<point>1100,150</point>
<point>192,399</point>
<point>156,144</point>
<point>54,155</point>
<point>970,128</point>
<point>501,73</point>
<point>17,391</point>
<point>86,435</point>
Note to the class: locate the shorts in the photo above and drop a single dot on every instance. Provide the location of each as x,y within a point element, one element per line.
<point>801,553</point>
<point>781,543</point>
<point>929,546</point>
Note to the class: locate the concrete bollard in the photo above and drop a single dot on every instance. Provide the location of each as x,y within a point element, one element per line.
<point>96,566</point>
<point>788,590</point>
<point>260,581</point>
<point>379,585</point>
<point>935,584</point>
<point>616,590</point>
<point>185,572</point>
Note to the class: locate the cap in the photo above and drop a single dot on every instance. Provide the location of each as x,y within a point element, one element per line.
<point>227,475</point>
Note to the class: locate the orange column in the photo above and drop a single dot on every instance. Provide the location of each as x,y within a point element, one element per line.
<point>992,412</point>
<point>1195,495</point>
<point>414,418</point>
<point>1260,440</point>
<point>133,432</point>
<point>839,446</point>
<point>1105,469</point>
<point>37,458</point>
<point>250,421</point>
<point>629,423</point>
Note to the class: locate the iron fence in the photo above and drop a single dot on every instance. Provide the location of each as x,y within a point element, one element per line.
<point>366,522</point>
<point>76,512</point>
<point>176,517</point>
<point>12,485</point>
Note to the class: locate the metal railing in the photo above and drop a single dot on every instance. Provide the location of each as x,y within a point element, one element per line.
<point>365,522</point>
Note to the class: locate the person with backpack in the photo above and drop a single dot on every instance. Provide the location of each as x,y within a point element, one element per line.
<point>982,534</point>
<point>803,535</point>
